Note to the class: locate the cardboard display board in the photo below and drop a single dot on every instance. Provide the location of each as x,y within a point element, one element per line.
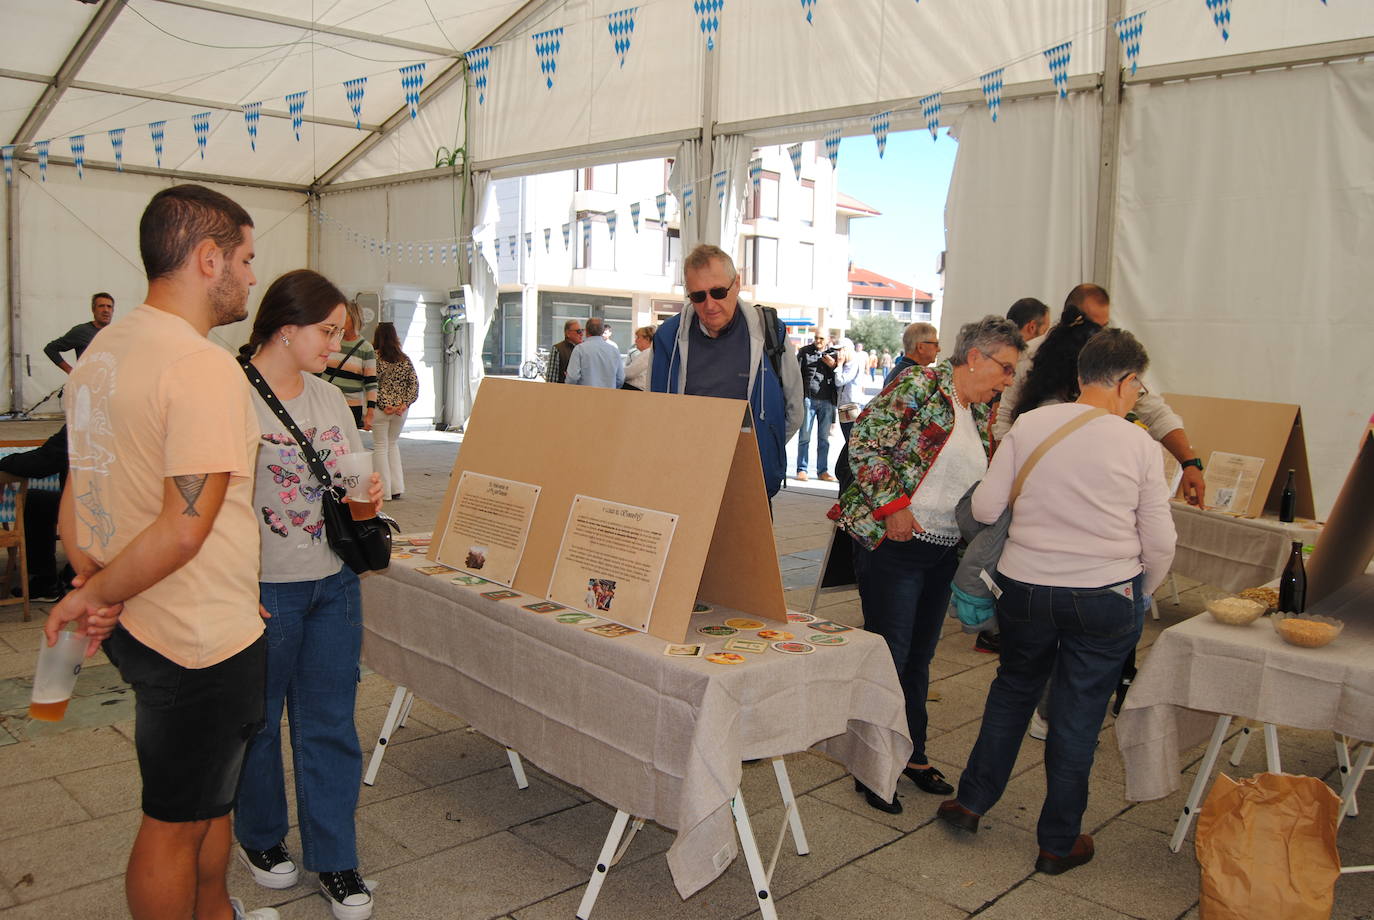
<point>1346,544</point>
<point>1272,431</point>
<point>684,455</point>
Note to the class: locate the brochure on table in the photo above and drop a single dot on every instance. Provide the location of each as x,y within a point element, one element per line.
<point>686,459</point>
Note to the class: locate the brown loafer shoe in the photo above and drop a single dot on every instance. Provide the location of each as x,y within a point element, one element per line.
<point>826,477</point>
<point>956,815</point>
<point>1081,853</point>
<point>801,476</point>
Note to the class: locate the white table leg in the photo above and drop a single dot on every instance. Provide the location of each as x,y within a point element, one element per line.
<point>1204,773</point>
<point>517,767</point>
<point>1271,748</point>
<point>388,726</point>
<point>1154,608</point>
<point>752,858</point>
<point>405,710</point>
<point>1343,765</point>
<point>603,864</point>
<point>1241,744</point>
<point>1173,585</point>
<point>1352,782</point>
<point>790,801</point>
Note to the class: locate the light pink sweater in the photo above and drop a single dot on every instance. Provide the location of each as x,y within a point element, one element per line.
<point>1093,512</point>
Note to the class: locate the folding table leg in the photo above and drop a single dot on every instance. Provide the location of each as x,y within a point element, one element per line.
<point>517,767</point>
<point>790,802</point>
<point>1173,584</point>
<point>405,710</point>
<point>1204,773</point>
<point>611,851</point>
<point>1154,608</point>
<point>1352,784</point>
<point>1271,748</point>
<point>1343,766</point>
<point>1242,743</point>
<point>389,724</point>
<point>752,858</point>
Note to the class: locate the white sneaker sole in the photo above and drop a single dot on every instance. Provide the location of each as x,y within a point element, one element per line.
<point>1039,729</point>
<point>274,880</point>
<point>351,911</point>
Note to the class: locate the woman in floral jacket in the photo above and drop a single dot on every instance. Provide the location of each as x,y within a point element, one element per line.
<point>914,452</point>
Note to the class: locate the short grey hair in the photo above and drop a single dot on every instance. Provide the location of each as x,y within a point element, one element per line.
<point>912,335</point>
<point>1109,356</point>
<point>594,326</point>
<point>987,335</point>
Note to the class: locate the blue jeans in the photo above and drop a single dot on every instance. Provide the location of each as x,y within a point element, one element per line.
<point>1083,636</point>
<point>904,590</point>
<point>314,638</point>
<point>821,414</point>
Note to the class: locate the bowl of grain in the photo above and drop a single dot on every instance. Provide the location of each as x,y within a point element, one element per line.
<point>1235,611</point>
<point>1269,597</point>
<point>1308,630</point>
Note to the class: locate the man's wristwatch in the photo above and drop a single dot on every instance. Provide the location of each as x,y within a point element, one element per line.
<point>1193,461</point>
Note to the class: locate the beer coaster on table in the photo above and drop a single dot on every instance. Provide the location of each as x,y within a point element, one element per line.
<point>800,618</point>
<point>683,651</point>
<point>725,658</point>
<point>826,626</point>
<point>775,635</point>
<point>434,570</point>
<point>699,607</point>
<point>717,630</point>
<point>471,581</point>
<point>420,541</point>
<point>745,645</point>
<point>574,617</point>
<point>744,623</point>
<point>793,648</point>
<point>827,639</point>
<point>503,595</point>
<point>543,607</point>
<point>401,555</point>
<point>611,630</point>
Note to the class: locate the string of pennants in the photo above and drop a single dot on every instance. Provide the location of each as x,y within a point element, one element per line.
<point>620,26</point>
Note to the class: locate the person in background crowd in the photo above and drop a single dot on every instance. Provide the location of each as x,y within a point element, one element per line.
<point>920,348</point>
<point>861,358</point>
<point>596,362</point>
<point>847,407</point>
<point>817,363</point>
<point>641,362</point>
<point>397,389</point>
<point>1031,316</point>
<point>914,452</point>
<point>885,363</point>
<point>353,369</point>
<point>312,603</point>
<point>79,336</point>
<point>560,355</point>
<point>1090,540</point>
<point>873,366</point>
<point>40,515</point>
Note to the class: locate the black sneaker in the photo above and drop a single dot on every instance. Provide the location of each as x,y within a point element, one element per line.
<point>347,894</point>
<point>988,642</point>
<point>272,867</point>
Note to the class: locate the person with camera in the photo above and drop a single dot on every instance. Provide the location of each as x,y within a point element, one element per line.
<point>818,361</point>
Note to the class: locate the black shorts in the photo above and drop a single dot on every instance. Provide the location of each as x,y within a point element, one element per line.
<point>191,726</point>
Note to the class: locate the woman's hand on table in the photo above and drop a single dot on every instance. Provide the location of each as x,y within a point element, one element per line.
<point>901,525</point>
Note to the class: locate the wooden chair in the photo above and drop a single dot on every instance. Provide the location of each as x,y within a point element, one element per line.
<point>12,539</point>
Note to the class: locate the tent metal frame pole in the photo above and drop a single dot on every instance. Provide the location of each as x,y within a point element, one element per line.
<point>12,282</point>
<point>1109,149</point>
<point>187,175</point>
<point>76,58</point>
<point>1296,56</point>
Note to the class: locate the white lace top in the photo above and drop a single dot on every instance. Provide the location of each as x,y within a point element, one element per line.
<point>961,463</point>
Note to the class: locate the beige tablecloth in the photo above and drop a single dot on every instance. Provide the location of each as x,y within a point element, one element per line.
<point>661,738</point>
<point>1234,553</point>
<point>1201,668</point>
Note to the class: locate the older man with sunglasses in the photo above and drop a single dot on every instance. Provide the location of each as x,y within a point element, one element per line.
<point>715,347</point>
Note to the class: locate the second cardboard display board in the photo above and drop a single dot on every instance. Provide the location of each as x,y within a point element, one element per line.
<point>686,455</point>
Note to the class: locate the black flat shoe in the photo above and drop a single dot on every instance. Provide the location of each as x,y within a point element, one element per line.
<point>929,780</point>
<point>890,808</point>
<point>956,815</point>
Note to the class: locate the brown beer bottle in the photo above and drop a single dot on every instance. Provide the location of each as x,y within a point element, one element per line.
<point>1293,584</point>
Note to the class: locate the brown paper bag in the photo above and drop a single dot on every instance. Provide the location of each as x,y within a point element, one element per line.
<point>1267,847</point>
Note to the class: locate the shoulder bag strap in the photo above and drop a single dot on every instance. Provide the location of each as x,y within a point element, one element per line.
<point>312,459</point>
<point>334,371</point>
<point>1043,448</point>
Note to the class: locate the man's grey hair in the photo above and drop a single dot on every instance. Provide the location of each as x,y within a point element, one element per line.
<point>913,335</point>
<point>594,327</point>
<point>569,323</point>
<point>1109,356</point>
<point>703,255</point>
<point>987,335</point>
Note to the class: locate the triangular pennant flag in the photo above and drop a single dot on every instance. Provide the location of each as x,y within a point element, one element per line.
<point>410,252</point>
<point>480,249</point>
<point>930,110</point>
<point>634,214</point>
<point>991,84</point>
<point>529,244</point>
<point>1221,16</point>
<point>467,251</point>
<point>510,247</point>
<point>756,172</point>
<point>832,147</point>
<point>1128,32</point>
<point>546,48</point>
<point>808,6</point>
<point>431,255</point>
<point>7,154</point>
<point>498,249</point>
<point>708,16</point>
<point>720,186</point>
<point>1058,60</point>
<point>586,234</point>
<point>117,144</point>
<point>479,63</point>
<point>443,255</point>
<point>688,197</point>
<point>251,113</point>
<point>78,145</point>
<point>567,235</point>
<point>548,235</point>
<point>882,123</point>
<point>295,104</point>
<point>610,223</point>
<point>412,78</point>
<point>353,91</point>
<point>157,130</point>
<point>661,201</point>
<point>201,123</point>
<point>621,25</point>
<point>42,159</point>
<point>794,152</point>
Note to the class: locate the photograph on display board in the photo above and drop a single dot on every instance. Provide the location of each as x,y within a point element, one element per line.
<point>611,560</point>
<point>490,523</point>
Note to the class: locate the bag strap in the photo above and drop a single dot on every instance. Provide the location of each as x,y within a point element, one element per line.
<point>774,343</point>
<point>312,459</point>
<point>334,371</point>
<point>1062,432</point>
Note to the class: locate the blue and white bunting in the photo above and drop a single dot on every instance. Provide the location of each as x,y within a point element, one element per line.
<point>567,236</point>
<point>295,105</point>
<point>498,249</point>
<point>1221,16</point>
<point>991,84</point>
<point>708,16</point>
<point>546,47</point>
<point>200,122</point>
<point>353,91</point>
<point>157,130</point>
<point>412,79</point>
<point>1058,60</point>
<point>431,255</point>
<point>720,186</point>
<point>794,152</point>
<point>529,244</point>
<point>511,248</point>
<point>832,146</point>
<point>548,234</point>
<point>1128,32</point>
<point>117,145</point>
<point>930,111</point>
<point>634,214</point>
<point>689,195</point>
<point>808,7</point>
<point>42,159</point>
<point>479,63</point>
<point>611,217</point>
<point>252,112</point>
<point>7,154</point>
<point>756,172</point>
<point>78,144</point>
<point>662,202</point>
<point>587,235</point>
<point>621,25</point>
<point>443,255</point>
<point>882,123</point>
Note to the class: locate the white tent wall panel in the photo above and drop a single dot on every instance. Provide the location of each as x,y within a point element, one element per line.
<point>1182,30</point>
<point>1245,220</point>
<point>39,33</point>
<point>17,98</point>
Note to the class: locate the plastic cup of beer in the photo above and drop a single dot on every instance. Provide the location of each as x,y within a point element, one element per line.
<point>55,678</point>
<point>354,472</point>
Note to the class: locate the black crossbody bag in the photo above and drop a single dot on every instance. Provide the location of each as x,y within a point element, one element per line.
<point>364,546</point>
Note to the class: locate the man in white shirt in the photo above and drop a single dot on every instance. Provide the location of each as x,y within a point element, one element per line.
<point>596,362</point>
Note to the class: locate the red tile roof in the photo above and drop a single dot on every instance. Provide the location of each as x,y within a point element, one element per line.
<point>854,206</point>
<point>864,283</point>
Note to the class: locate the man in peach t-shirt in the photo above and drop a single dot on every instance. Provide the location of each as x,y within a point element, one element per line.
<point>157,519</point>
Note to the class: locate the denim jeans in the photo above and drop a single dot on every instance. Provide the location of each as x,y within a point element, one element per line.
<point>1082,636</point>
<point>821,415</point>
<point>314,638</point>
<point>904,589</point>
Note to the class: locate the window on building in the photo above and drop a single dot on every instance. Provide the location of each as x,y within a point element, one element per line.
<point>597,178</point>
<point>764,202</point>
<point>807,202</point>
<point>761,261</point>
<point>621,321</point>
<point>593,249</point>
<point>806,266</point>
<point>652,243</point>
<point>673,254</point>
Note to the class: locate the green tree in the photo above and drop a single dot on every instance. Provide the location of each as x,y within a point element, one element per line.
<point>876,333</point>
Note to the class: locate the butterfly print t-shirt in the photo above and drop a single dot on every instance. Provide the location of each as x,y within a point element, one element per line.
<point>286,495</point>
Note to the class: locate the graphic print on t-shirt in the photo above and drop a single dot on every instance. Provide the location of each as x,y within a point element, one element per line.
<point>90,447</point>
<point>295,481</point>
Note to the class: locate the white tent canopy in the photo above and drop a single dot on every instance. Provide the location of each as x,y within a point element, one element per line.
<point>1221,188</point>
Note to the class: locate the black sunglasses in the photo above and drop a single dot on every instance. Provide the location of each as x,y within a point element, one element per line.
<point>717,293</point>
